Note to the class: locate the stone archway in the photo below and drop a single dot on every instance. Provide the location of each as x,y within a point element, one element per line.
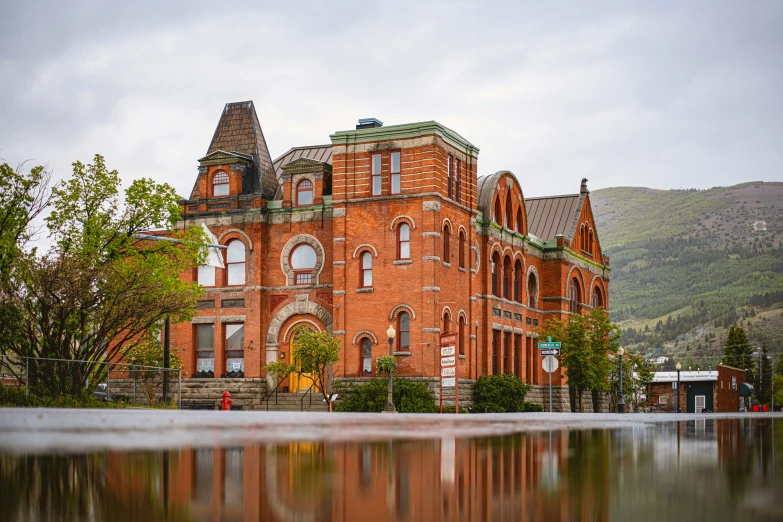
<point>302,306</point>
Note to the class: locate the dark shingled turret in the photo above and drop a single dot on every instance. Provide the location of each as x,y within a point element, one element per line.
<point>239,131</point>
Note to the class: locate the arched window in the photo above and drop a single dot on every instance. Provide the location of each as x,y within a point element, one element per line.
<point>496,274</point>
<point>590,242</point>
<point>461,252</point>
<point>403,332</point>
<point>498,216</point>
<point>597,300</point>
<point>532,291</point>
<point>304,193</point>
<point>220,184</point>
<point>509,214</point>
<point>575,296</point>
<point>446,238</point>
<point>461,335</point>
<point>507,277</point>
<point>449,179</point>
<point>366,272</point>
<point>519,220</point>
<point>518,281</point>
<point>446,322</point>
<point>404,241</point>
<point>235,263</point>
<point>303,259</point>
<point>366,357</point>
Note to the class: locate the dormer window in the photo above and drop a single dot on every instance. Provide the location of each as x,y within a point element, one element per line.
<point>304,193</point>
<point>220,184</point>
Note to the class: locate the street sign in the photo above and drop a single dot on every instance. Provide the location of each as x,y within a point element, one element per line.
<point>448,350</point>
<point>448,361</point>
<point>550,351</point>
<point>548,344</point>
<point>549,364</point>
<point>449,382</point>
<point>448,372</point>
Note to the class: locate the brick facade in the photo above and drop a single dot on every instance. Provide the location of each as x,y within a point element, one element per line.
<point>347,219</point>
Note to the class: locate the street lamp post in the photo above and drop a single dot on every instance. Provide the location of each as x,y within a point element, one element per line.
<point>677,400</point>
<point>621,402</point>
<point>389,408</point>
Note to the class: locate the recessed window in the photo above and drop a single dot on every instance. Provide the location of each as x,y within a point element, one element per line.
<point>235,350</point>
<point>404,241</point>
<point>395,173</point>
<point>461,335</point>
<point>220,183</point>
<point>518,275</point>
<point>303,259</point>
<point>205,350</point>
<point>366,345</point>
<point>495,274</point>
<point>403,332</point>
<point>235,263</point>
<point>597,300</point>
<point>519,220</point>
<point>446,240</point>
<point>304,193</point>
<point>376,174</point>
<point>498,216</point>
<point>532,291</point>
<point>450,177</point>
<point>461,252</point>
<point>507,277</point>
<point>206,275</point>
<point>366,276</point>
<point>574,296</point>
<point>509,215</point>
<point>446,322</point>
<point>457,166</point>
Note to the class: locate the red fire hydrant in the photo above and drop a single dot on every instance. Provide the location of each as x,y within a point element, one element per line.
<point>226,401</point>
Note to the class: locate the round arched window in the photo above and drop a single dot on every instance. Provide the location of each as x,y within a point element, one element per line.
<point>303,260</point>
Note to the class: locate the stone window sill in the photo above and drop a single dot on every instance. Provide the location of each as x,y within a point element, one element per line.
<point>447,265</point>
<point>403,262</point>
<point>364,290</point>
<point>463,357</point>
<point>405,354</point>
<point>461,269</point>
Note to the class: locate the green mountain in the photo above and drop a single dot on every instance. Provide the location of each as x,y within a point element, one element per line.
<point>687,263</point>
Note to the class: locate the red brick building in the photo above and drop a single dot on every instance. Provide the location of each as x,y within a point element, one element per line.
<point>384,225</point>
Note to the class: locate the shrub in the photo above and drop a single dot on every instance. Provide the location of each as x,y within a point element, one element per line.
<point>500,394</point>
<point>452,409</point>
<point>408,397</point>
<point>16,397</point>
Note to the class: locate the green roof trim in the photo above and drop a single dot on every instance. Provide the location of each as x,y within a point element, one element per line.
<point>407,130</point>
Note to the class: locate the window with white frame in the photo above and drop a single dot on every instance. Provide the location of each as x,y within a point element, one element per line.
<point>235,263</point>
<point>205,350</point>
<point>394,173</point>
<point>206,275</point>
<point>235,349</point>
<point>376,175</point>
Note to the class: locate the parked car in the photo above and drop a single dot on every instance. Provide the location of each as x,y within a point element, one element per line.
<point>102,394</point>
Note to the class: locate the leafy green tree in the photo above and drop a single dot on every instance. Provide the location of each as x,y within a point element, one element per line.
<point>149,353</point>
<point>315,353</point>
<point>100,287</point>
<point>23,196</point>
<point>587,341</point>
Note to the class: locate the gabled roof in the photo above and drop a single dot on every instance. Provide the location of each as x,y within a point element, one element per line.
<point>552,215</point>
<point>322,153</point>
<point>240,131</point>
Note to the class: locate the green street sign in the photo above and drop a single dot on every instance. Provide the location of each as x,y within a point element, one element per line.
<point>549,344</point>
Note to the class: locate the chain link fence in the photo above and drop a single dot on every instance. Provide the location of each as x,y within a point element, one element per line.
<point>106,381</point>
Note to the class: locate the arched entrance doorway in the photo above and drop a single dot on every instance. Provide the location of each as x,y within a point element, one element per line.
<point>299,382</point>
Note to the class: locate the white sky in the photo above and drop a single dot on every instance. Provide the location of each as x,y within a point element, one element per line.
<point>659,94</point>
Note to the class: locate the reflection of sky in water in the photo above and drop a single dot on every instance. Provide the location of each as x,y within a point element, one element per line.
<point>711,469</point>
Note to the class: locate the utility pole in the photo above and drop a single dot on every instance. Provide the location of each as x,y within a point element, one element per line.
<point>166,358</point>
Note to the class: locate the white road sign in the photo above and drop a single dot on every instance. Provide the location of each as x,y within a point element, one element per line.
<point>549,364</point>
<point>448,361</point>
<point>448,372</point>
<point>447,350</point>
<point>449,382</point>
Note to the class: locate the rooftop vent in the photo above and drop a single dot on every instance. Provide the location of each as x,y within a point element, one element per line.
<point>369,123</point>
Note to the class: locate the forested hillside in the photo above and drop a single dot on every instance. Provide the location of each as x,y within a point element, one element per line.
<point>686,264</point>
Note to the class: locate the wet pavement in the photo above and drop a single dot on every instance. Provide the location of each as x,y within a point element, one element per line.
<point>181,465</point>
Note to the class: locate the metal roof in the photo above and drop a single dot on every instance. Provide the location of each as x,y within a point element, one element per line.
<point>321,153</point>
<point>552,215</point>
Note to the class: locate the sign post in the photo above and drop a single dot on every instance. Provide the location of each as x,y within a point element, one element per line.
<point>449,367</point>
<point>549,350</point>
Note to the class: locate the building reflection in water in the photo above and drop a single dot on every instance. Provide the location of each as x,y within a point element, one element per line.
<point>718,468</point>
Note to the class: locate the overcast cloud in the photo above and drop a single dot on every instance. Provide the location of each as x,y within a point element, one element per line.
<point>659,94</point>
